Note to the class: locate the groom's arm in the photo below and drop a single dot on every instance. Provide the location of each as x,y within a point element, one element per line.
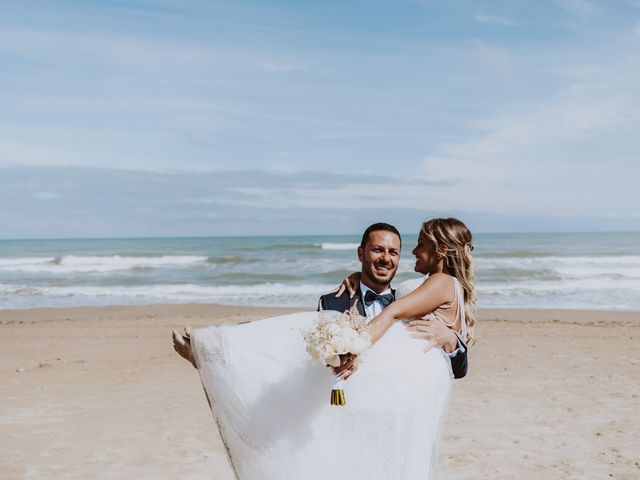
<point>331,302</point>
<point>459,362</point>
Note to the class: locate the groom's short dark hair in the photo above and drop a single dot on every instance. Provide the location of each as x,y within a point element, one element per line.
<point>385,227</point>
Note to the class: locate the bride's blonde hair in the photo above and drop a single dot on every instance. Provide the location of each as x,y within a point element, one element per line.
<point>454,242</point>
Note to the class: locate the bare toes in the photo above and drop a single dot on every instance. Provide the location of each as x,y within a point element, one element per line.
<point>182,346</point>
<point>177,338</point>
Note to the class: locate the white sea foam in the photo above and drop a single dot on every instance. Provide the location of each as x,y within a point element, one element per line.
<point>88,264</point>
<point>608,262</point>
<point>564,268</point>
<point>579,293</point>
<point>581,285</point>
<point>264,294</point>
<point>338,246</point>
<point>14,262</point>
<point>64,273</point>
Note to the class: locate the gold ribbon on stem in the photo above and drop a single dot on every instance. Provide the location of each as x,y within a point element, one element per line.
<point>337,394</point>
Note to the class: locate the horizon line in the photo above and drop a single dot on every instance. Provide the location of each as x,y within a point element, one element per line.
<point>196,237</point>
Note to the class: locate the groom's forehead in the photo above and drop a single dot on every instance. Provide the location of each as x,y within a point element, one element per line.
<point>384,238</point>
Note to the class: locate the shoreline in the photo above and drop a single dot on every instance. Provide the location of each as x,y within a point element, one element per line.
<point>512,314</point>
<point>98,392</point>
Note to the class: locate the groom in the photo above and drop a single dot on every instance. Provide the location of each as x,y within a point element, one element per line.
<point>379,254</point>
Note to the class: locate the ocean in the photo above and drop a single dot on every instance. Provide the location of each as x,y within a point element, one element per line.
<point>559,270</point>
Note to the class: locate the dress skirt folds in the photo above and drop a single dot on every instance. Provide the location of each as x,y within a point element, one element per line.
<point>271,403</point>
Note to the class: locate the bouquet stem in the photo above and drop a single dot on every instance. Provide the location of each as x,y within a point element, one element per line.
<point>337,394</point>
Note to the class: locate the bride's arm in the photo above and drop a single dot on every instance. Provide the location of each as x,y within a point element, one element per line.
<point>434,292</point>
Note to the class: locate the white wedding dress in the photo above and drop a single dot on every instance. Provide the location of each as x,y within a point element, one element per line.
<point>271,403</point>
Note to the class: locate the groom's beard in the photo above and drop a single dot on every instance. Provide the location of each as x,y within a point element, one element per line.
<point>379,274</point>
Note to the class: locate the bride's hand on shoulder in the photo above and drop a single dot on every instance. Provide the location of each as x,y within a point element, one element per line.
<point>430,328</point>
<point>350,284</point>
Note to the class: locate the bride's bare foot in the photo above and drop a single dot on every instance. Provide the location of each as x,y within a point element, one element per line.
<point>182,345</point>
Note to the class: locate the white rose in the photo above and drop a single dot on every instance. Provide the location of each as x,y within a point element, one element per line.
<point>339,345</point>
<point>360,344</point>
<point>333,329</point>
<point>350,335</point>
<point>326,351</point>
<point>333,361</point>
<point>313,352</point>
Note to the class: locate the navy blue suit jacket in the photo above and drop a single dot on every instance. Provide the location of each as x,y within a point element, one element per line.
<point>459,363</point>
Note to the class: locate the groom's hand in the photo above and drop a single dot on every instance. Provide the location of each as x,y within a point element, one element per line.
<point>348,365</point>
<point>434,331</point>
<point>350,284</point>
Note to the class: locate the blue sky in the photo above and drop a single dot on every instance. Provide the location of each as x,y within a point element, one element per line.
<point>317,117</point>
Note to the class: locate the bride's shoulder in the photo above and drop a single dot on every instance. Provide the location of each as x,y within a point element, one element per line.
<point>440,278</point>
<point>441,281</point>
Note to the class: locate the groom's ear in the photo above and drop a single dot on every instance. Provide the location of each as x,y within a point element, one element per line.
<point>360,253</point>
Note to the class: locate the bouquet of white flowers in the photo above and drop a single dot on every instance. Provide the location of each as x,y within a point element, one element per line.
<point>335,335</point>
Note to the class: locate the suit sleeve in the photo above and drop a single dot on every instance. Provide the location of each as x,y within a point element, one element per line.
<point>330,302</point>
<point>459,361</point>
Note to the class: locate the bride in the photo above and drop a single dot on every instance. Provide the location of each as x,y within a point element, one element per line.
<point>270,401</point>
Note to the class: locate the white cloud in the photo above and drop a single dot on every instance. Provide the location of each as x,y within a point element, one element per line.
<point>494,58</point>
<point>551,156</point>
<point>148,57</point>
<point>395,194</point>
<point>284,67</point>
<point>46,195</point>
<point>65,48</point>
<point>16,151</point>
<point>498,116</point>
<point>108,202</point>
<point>583,8</point>
<point>95,202</point>
<point>488,19</point>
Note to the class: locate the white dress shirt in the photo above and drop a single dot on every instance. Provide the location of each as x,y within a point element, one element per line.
<point>375,307</point>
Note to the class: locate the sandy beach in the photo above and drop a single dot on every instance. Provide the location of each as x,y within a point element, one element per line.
<point>99,393</point>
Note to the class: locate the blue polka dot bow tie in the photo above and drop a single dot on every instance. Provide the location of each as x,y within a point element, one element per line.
<point>371,297</point>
